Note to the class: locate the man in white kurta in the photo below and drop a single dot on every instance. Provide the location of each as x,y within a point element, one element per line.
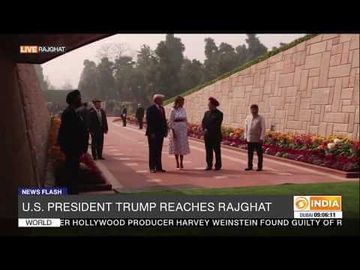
<point>254,135</point>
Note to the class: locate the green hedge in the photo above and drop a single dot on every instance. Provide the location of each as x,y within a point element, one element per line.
<point>244,66</point>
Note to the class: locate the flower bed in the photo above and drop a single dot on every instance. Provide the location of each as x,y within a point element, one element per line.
<point>335,152</point>
<point>90,177</point>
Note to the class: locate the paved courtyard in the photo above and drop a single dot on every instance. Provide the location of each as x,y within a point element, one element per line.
<point>126,166</point>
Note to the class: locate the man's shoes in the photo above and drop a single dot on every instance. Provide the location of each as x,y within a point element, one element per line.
<point>208,169</point>
<point>259,169</point>
<point>153,171</point>
<point>217,169</point>
<point>161,170</point>
<point>248,169</point>
<point>102,158</point>
<point>95,158</point>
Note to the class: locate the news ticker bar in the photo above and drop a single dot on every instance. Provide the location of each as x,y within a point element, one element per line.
<point>57,223</point>
<point>180,207</point>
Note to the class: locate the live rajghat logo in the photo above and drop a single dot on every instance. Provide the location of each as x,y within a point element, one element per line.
<point>34,49</point>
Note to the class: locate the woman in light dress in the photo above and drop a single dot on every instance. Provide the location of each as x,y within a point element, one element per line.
<point>179,144</point>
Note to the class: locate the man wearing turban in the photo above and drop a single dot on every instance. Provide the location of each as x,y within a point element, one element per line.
<point>211,125</point>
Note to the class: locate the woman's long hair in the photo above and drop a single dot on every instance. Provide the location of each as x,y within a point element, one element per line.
<point>177,101</point>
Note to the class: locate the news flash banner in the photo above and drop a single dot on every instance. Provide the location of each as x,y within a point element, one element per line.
<point>52,207</point>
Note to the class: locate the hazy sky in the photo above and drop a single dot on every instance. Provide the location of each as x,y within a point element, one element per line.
<point>67,68</point>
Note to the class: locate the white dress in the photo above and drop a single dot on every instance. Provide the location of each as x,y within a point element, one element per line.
<point>179,145</point>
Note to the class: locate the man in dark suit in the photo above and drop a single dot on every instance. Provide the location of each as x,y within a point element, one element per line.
<point>156,130</point>
<point>97,126</point>
<point>73,139</point>
<point>211,125</point>
<point>84,113</point>
<point>124,116</point>
<point>140,115</point>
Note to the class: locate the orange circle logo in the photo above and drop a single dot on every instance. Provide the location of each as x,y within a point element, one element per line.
<point>301,203</point>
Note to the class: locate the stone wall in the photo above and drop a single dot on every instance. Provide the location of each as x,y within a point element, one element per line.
<point>312,87</point>
<point>24,127</point>
<point>37,117</point>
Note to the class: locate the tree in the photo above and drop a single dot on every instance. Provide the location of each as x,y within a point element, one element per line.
<point>105,80</point>
<point>118,77</point>
<point>255,47</point>
<point>147,67</point>
<point>137,87</point>
<point>145,57</point>
<point>170,56</point>
<point>211,62</point>
<point>192,74</point>
<point>111,51</point>
<point>88,81</point>
<point>241,53</point>
<point>211,50</point>
<point>123,69</point>
<point>227,58</point>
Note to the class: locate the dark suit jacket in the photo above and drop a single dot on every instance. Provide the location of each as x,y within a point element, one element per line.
<point>73,136</point>
<point>212,123</point>
<point>94,124</point>
<point>139,113</point>
<point>84,113</point>
<point>156,122</point>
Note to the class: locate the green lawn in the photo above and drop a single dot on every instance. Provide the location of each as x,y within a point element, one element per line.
<point>348,190</point>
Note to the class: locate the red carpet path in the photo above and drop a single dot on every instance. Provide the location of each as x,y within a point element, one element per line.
<point>126,166</point>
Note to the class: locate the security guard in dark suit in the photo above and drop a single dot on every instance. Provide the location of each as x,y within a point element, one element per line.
<point>211,125</point>
<point>140,115</point>
<point>73,140</point>
<point>97,126</point>
<point>124,116</point>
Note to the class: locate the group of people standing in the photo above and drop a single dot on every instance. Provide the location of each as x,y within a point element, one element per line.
<point>79,122</point>
<point>158,127</point>
<point>139,115</point>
